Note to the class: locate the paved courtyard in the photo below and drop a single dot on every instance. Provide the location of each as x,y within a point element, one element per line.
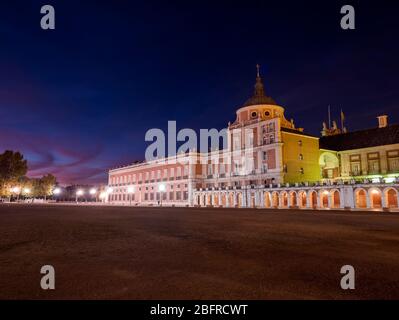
<point>181,253</point>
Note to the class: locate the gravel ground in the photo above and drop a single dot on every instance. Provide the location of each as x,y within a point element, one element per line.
<point>101,252</point>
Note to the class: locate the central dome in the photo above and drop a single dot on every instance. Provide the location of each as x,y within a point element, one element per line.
<point>259,96</point>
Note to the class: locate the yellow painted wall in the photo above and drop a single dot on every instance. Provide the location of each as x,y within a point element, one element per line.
<point>291,158</point>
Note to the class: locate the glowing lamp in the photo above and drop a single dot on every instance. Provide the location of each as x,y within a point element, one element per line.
<point>130,189</point>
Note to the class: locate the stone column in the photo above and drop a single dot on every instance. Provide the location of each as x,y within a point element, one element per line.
<point>256,199</point>
<point>280,200</point>
<point>309,199</point>
<point>368,202</point>
<point>244,198</point>
<point>348,195</point>
<point>235,198</point>
<point>298,200</point>
<point>330,200</point>
<point>384,202</point>
<point>318,200</point>
<point>262,199</point>
<point>341,199</point>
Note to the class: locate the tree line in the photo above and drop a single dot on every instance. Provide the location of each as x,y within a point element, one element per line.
<point>13,170</point>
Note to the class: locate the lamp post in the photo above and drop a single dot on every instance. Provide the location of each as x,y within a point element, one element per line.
<point>93,192</point>
<point>109,191</point>
<point>161,189</point>
<point>27,192</point>
<point>78,194</point>
<point>57,192</point>
<point>17,191</point>
<point>130,191</point>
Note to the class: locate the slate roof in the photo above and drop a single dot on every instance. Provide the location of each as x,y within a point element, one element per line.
<point>361,139</point>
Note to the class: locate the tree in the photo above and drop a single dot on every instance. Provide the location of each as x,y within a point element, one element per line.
<point>13,167</point>
<point>43,187</point>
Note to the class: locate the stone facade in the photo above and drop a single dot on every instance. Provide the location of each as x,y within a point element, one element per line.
<point>268,163</point>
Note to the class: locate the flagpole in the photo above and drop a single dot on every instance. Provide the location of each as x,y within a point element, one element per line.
<point>329,117</point>
<point>342,121</point>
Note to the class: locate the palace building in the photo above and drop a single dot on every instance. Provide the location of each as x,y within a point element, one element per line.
<point>270,163</point>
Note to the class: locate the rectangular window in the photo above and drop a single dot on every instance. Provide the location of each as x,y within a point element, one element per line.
<point>393,160</point>
<point>373,163</point>
<point>355,165</point>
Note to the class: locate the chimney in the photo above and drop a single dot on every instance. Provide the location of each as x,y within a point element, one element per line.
<point>382,121</point>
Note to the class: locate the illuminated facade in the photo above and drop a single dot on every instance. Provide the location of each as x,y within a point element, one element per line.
<point>270,163</point>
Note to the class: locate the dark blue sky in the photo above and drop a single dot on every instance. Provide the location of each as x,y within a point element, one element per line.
<point>79,99</point>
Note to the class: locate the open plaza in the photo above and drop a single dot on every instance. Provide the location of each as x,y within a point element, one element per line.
<point>116,252</point>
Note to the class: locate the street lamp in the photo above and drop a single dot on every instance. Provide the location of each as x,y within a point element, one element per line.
<point>93,192</point>
<point>161,189</point>
<point>27,191</point>
<point>79,193</point>
<point>57,191</point>
<point>17,191</point>
<point>130,191</point>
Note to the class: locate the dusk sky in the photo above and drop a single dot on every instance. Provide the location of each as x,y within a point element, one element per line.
<point>78,100</point>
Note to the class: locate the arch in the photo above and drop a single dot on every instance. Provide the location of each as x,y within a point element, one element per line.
<point>313,199</point>
<point>209,199</point>
<point>361,198</point>
<point>252,202</point>
<point>216,200</point>
<point>293,199</point>
<point>231,199</point>
<point>275,199</point>
<point>268,200</point>
<point>324,202</point>
<point>375,195</point>
<point>329,165</point>
<point>302,199</point>
<point>391,197</point>
<point>284,199</point>
<point>239,200</point>
<point>223,200</point>
<point>336,199</point>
